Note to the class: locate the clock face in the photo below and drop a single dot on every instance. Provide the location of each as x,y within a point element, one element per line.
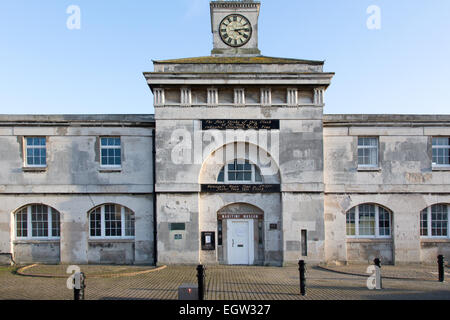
<point>235,30</point>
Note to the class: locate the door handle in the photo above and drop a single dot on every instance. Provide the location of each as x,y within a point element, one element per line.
<point>232,245</point>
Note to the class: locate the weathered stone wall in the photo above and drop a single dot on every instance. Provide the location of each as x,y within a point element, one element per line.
<point>74,183</point>
<point>75,245</point>
<point>405,183</point>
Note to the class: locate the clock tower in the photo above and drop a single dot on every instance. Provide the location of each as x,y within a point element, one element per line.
<point>234,25</point>
<point>239,150</point>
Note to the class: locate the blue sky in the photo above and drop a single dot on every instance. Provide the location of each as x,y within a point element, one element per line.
<point>45,68</point>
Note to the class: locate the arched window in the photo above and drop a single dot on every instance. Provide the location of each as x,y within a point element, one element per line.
<point>111,221</point>
<point>37,221</point>
<point>369,221</point>
<point>240,171</point>
<point>434,222</point>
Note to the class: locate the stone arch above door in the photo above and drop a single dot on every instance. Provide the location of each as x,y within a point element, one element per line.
<point>255,154</point>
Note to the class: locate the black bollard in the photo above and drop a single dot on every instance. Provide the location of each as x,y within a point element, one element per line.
<point>201,282</point>
<point>441,268</point>
<point>302,269</point>
<point>377,263</point>
<point>79,286</point>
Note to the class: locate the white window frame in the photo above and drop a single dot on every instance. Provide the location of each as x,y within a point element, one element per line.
<point>30,224</point>
<point>103,224</point>
<point>377,148</point>
<point>252,181</point>
<point>109,166</point>
<point>377,224</point>
<point>434,147</point>
<point>430,225</point>
<point>26,147</point>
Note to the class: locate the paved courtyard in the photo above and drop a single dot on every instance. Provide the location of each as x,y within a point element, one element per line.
<point>222,283</point>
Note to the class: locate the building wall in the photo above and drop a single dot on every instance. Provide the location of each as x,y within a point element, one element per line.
<point>405,183</point>
<point>73,183</point>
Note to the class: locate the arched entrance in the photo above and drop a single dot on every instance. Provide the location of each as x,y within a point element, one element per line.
<point>241,234</point>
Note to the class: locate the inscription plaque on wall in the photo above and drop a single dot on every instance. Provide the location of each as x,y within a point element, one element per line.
<point>245,216</point>
<point>227,124</point>
<point>241,188</point>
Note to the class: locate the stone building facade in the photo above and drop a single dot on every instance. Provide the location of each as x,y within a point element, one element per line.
<point>239,165</point>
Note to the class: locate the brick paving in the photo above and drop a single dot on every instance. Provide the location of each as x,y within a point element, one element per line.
<point>222,283</point>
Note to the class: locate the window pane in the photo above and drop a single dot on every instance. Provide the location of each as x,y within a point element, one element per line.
<point>351,225</point>
<point>367,220</point>
<point>384,222</point>
<point>39,221</point>
<point>113,221</point>
<point>424,223</point>
<point>129,223</point>
<point>55,224</point>
<point>111,152</point>
<point>22,223</point>
<point>221,177</point>
<point>367,151</point>
<point>439,220</point>
<point>95,223</point>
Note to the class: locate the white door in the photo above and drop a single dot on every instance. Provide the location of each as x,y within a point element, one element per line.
<point>240,242</point>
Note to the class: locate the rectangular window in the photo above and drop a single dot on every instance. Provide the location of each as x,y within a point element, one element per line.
<point>111,152</point>
<point>367,220</point>
<point>367,152</point>
<point>441,151</point>
<point>36,152</point>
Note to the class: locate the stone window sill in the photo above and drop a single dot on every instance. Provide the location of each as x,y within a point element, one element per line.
<point>445,168</point>
<point>369,169</point>
<point>369,240</point>
<point>34,169</point>
<point>110,170</point>
<point>31,241</point>
<point>437,240</point>
<point>111,240</point>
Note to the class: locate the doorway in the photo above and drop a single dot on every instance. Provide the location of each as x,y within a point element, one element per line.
<point>241,246</point>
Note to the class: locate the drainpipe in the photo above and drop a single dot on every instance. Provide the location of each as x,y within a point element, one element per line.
<point>155,226</point>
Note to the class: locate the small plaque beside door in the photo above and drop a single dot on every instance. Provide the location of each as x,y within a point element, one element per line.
<point>208,241</point>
